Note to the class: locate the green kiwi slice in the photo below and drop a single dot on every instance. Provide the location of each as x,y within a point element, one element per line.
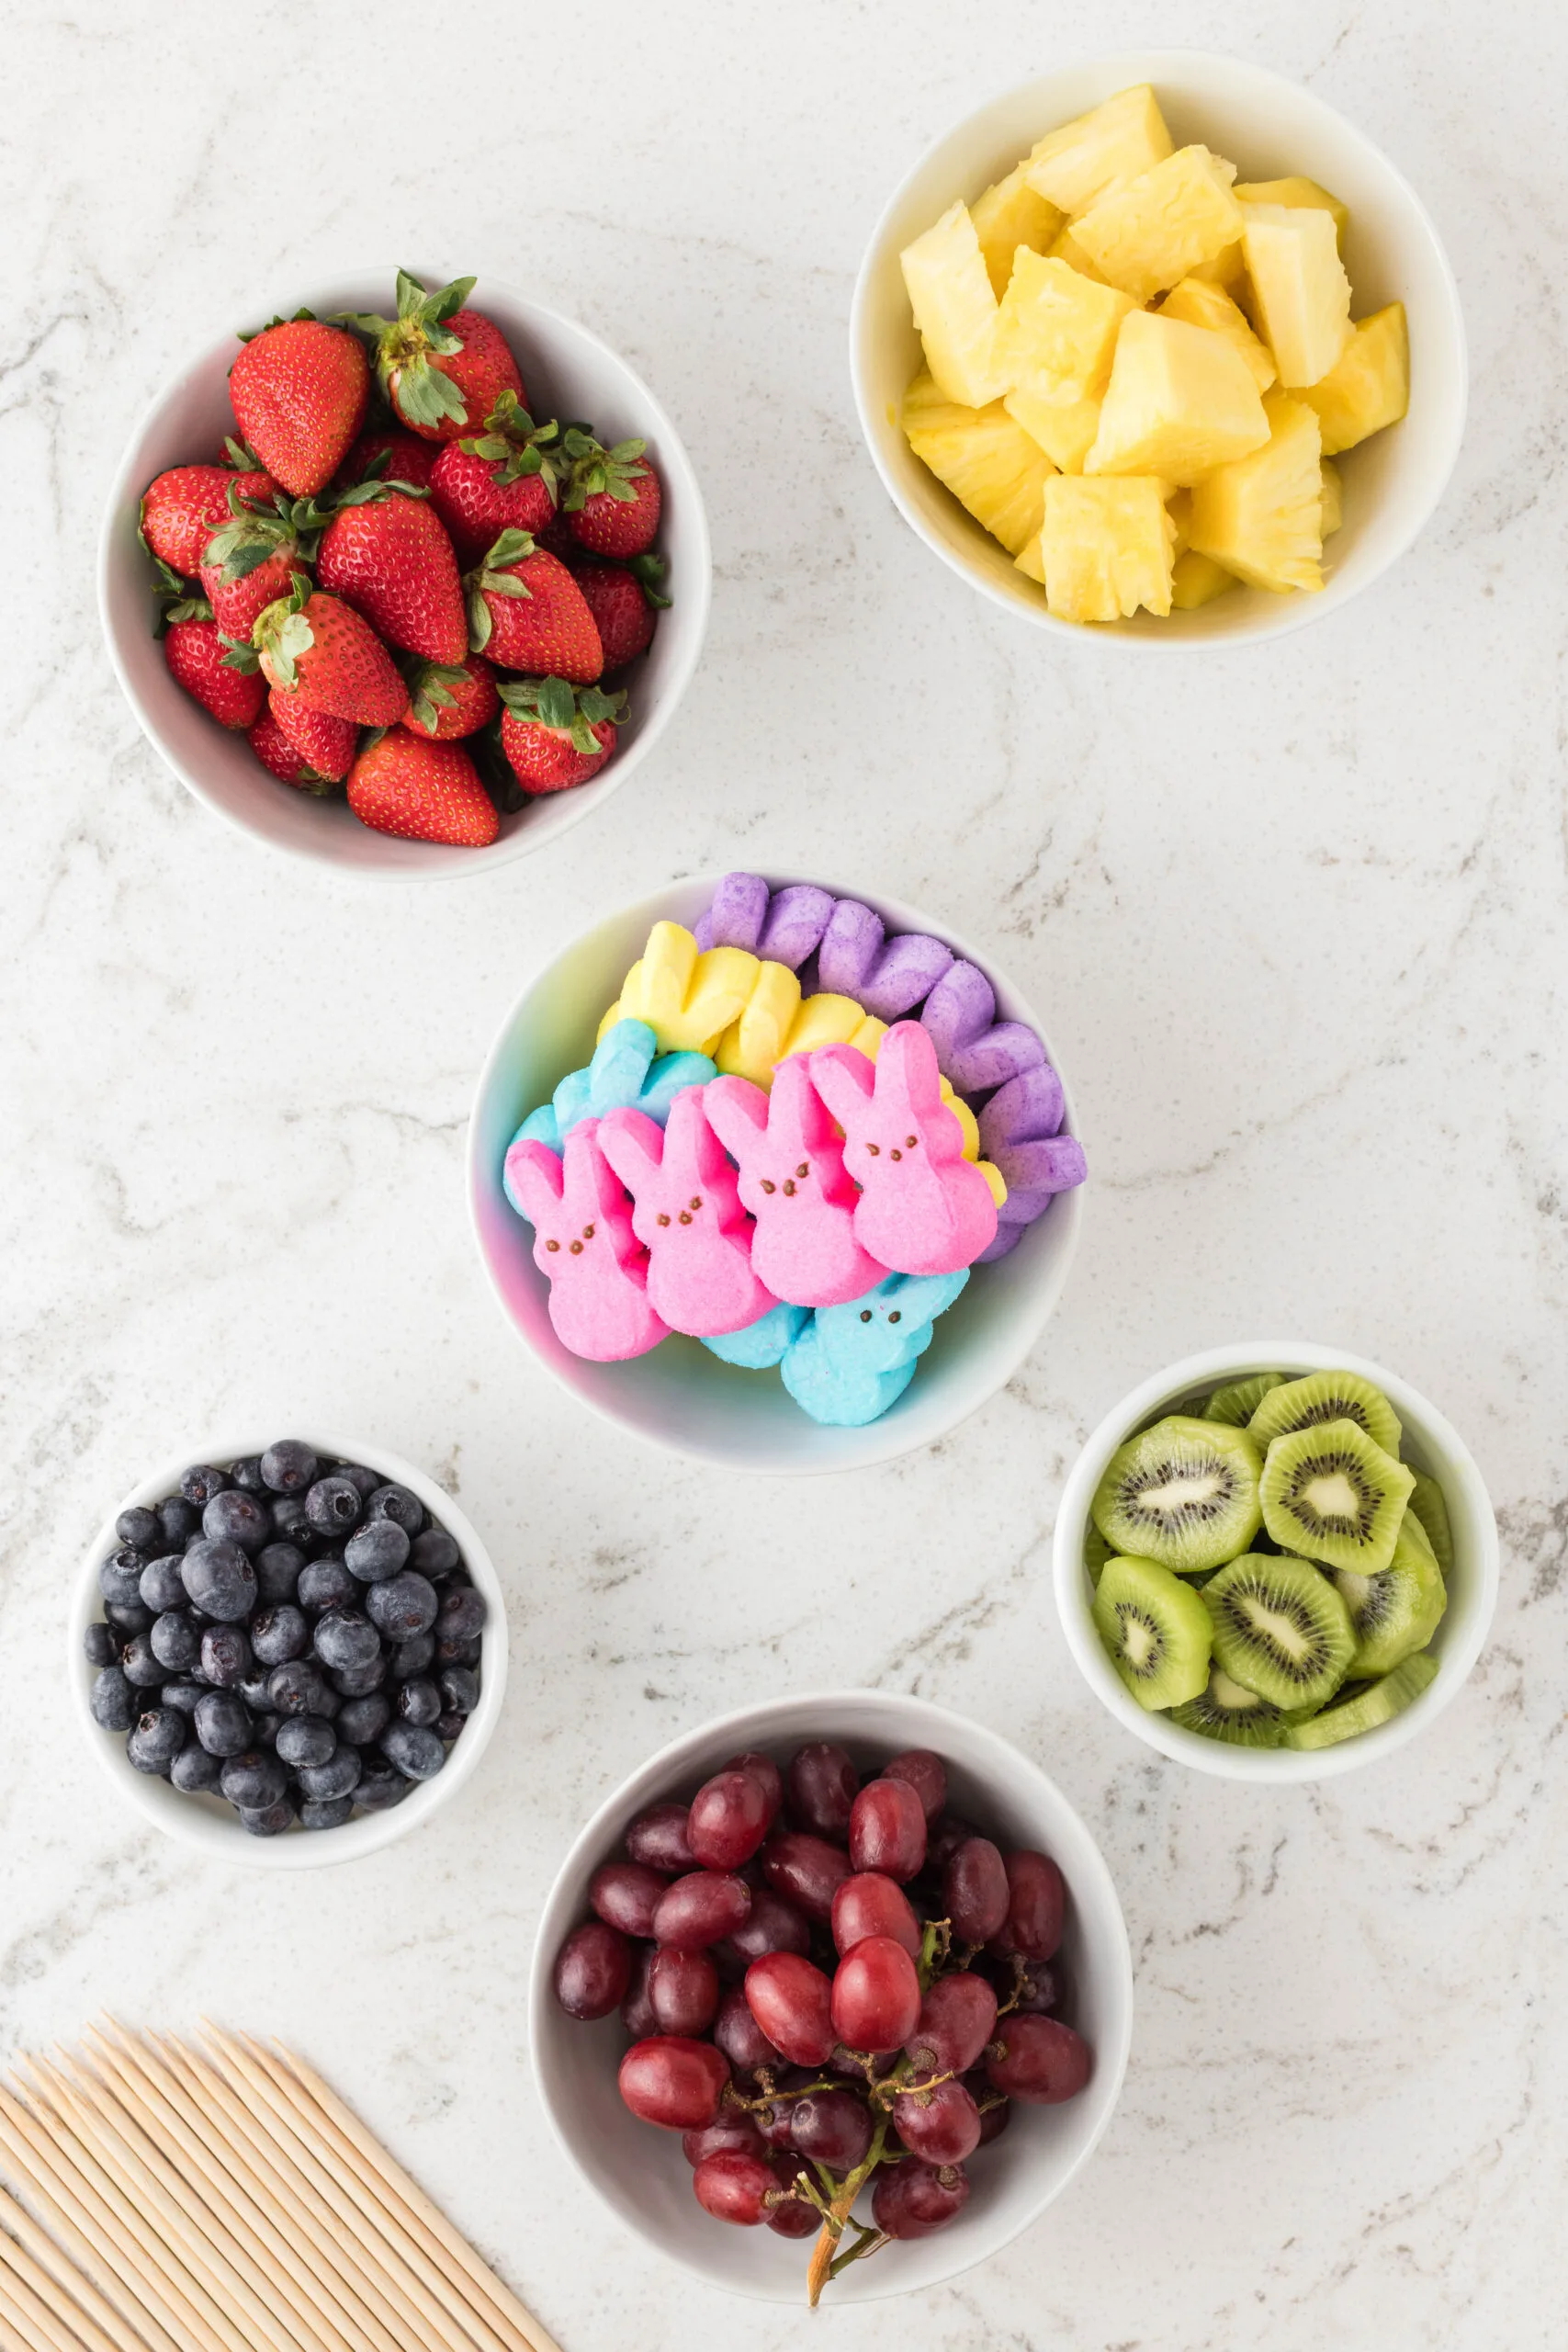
<point>1281,1629</point>
<point>1228,1711</point>
<point>1431,1513</point>
<point>1365,1705</point>
<point>1332,1494</point>
<point>1397,1612</point>
<point>1326,1396</point>
<point>1184,1493</point>
<point>1156,1629</point>
<point>1239,1399</point>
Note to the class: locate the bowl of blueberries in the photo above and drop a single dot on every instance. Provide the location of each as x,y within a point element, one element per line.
<point>289,1656</point>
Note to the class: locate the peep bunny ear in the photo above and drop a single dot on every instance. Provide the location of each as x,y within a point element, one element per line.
<point>532,1178</point>
<point>620,1065</point>
<point>844,1078</point>
<point>907,1078</point>
<point>590,1186</point>
<point>634,1146</point>
<point>692,1153</point>
<point>797,1116</point>
<point>920,1298</point>
<point>737,1113</point>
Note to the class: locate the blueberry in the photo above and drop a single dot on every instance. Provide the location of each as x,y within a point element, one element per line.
<point>396,1503</point>
<point>223,1723</point>
<point>197,1772</point>
<point>220,1579</point>
<point>101,1646</point>
<point>403,1607</point>
<point>447,1725</point>
<point>289,1467</point>
<point>359,1682</point>
<point>226,1656</point>
<point>201,1482</point>
<point>433,1553</point>
<point>255,1780</point>
<point>306,1739</point>
<point>417,1753</point>
<point>141,1664</point>
<point>163,1583</point>
<point>381,1788</point>
<point>119,1577</point>
<point>179,1521</point>
<point>418,1703</point>
<point>332,1506</point>
<point>235,1517</point>
<point>253,1688</point>
<point>267,1820</point>
<point>267,1728</point>
<point>462,1615</point>
<point>247,1473</point>
<point>376,1550</point>
<point>361,1722</point>
<point>301,1688</point>
<point>324,1784</point>
<point>363,1482</point>
<point>327,1584</point>
<point>326,1816</point>
<point>459,1689</point>
<point>155,1739</point>
<point>186,1696</point>
<point>413,1658</point>
<point>139,1527</point>
<point>133,1619</point>
<point>347,1642</point>
<point>279,1635</point>
<point>175,1641</point>
<point>291,1520</point>
<point>113,1701</point>
<point>278,1569</point>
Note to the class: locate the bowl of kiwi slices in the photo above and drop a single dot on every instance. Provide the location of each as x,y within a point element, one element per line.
<point>1276,1562</point>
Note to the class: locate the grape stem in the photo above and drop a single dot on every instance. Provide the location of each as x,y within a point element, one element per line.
<point>826,2260</point>
<point>1020,1974</point>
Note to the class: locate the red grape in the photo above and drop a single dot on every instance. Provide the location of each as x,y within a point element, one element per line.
<point>947,1831</point>
<point>729,1820</point>
<point>833,2128</point>
<point>773,1924</point>
<point>624,1893</point>
<point>942,2126</point>
<point>1038,2059</point>
<point>701,1908</point>
<point>1037,1898</point>
<point>912,2199</point>
<point>877,1995</point>
<point>592,1971</point>
<point>888,1829</point>
<point>804,1868</point>
<point>673,2082</point>
<point>927,1775</point>
<point>775,2122</point>
<point>740,2036</point>
<point>994,2117</point>
<point>658,1839</point>
<point>763,1770</point>
<point>791,2001</point>
<point>734,2134</point>
<point>793,2217</point>
<point>731,2186</point>
<point>1037,1989</point>
<point>682,1987</point>
<point>636,2010</point>
<point>822,1784</point>
<point>975,1890</point>
<point>957,2018</point>
<point>870,1905</point>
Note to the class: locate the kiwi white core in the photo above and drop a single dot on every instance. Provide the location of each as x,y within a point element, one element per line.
<point>1187,1491</point>
<point>1226,1694</point>
<point>1332,1496</point>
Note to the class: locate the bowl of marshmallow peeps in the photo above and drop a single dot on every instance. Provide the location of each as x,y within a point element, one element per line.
<point>1157,349</point>
<point>775,1173</point>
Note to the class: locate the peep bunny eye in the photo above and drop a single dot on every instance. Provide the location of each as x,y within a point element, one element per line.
<point>663,1218</point>
<point>874,1149</point>
<point>552,1245</point>
<point>575,1248</point>
<point>864,1312</point>
<point>897,1154</point>
<point>910,1142</point>
<point>804,1167</point>
<point>588,1233</point>
<point>696,1200</point>
<point>896,1315</point>
<point>768,1186</point>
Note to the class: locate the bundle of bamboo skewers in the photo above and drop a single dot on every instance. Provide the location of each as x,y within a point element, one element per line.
<point>220,2198</point>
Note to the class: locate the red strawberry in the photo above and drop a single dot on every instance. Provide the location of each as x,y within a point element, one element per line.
<point>274,749</point>
<point>426,792</point>
<point>527,613</point>
<point>504,479</point>
<point>194,651</point>
<point>251,560</point>
<point>318,648</point>
<point>450,700</point>
<point>182,509</point>
<point>237,603</point>
<point>299,389</point>
<point>388,555</point>
<point>613,501</point>
<point>621,603</point>
<point>554,738</point>
<point>442,367</point>
<point>327,744</point>
<point>403,456</point>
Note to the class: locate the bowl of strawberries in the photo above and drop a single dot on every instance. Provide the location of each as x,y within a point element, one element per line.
<point>407,580</point>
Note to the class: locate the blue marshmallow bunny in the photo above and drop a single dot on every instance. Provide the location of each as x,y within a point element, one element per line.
<point>628,1072</point>
<point>758,1346</point>
<point>850,1362</point>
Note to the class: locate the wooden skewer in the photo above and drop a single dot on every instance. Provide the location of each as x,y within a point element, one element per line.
<point>35,2329</point>
<point>36,2244</point>
<point>64,2321</point>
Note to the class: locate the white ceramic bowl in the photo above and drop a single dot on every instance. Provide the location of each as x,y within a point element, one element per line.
<point>1269,128</point>
<point>1430,1445</point>
<point>568,373</point>
<point>207,1823</point>
<point>681,1395</point>
<point>641,2172</point>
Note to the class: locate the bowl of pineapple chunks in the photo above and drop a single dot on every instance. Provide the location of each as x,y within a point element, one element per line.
<point>1160,348</point>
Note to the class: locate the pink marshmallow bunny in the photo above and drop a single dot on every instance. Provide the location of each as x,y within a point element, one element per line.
<point>686,1209</point>
<point>923,1209</point>
<point>583,1240</point>
<point>794,1181</point>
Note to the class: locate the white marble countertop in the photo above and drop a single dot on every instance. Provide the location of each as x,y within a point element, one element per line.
<point>1296,919</point>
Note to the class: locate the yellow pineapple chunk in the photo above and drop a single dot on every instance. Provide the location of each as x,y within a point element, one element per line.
<point>1227,270</point>
<point>1262,517</point>
<point>1303,293</point>
<point>1298,193</point>
<point>1146,236</point>
<point>1179,507</point>
<point>1368,386</point>
<point>985,457</point>
<point>1066,435</point>
<point>1181,401</point>
<point>1057,332</point>
<point>1114,141</point>
<point>1203,305</point>
<point>1197,580</point>
<point>1068,248</point>
<point>955,308</point>
<point>1104,549</point>
<point>1333,499</point>
<point>1008,215</point>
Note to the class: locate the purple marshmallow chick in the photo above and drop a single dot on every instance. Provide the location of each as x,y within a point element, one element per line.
<point>974,1049</point>
<point>783,926</point>
<point>888,977</point>
<point>1021,1133</point>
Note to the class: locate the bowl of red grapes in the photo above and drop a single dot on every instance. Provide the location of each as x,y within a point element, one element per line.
<point>833,1997</point>
<point>288,1653</point>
